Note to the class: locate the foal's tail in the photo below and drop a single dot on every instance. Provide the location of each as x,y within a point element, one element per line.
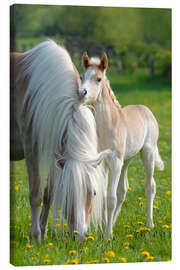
<point>158,161</point>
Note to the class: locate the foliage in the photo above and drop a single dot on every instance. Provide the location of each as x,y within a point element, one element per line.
<point>140,37</point>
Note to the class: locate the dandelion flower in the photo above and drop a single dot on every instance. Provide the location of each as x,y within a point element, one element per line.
<point>34,258</point>
<point>86,248</point>
<point>50,244</point>
<point>140,198</point>
<point>58,225</point>
<point>16,187</point>
<point>165,226</point>
<point>168,192</point>
<point>129,188</point>
<point>140,223</point>
<point>76,232</point>
<point>150,258</point>
<point>155,206</point>
<point>123,259</point>
<point>72,252</point>
<point>129,236</point>
<point>28,246</point>
<point>75,261</point>
<point>107,260</point>
<point>90,237</point>
<point>146,253</point>
<point>126,226</point>
<point>110,253</point>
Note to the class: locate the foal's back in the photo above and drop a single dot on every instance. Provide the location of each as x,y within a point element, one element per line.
<point>142,129</point>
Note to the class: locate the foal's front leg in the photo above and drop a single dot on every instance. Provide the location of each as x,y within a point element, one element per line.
<point>115,166</point>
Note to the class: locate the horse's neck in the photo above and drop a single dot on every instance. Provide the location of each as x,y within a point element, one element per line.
<point>107,112</point>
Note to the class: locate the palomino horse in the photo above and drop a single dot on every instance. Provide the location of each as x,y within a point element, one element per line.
<point>126,131</point>
<point>56,134</point>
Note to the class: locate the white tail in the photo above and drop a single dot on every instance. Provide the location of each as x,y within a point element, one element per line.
<point>158,161</point>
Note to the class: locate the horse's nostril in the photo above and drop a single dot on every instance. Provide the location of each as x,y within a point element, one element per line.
<point>84,92</point>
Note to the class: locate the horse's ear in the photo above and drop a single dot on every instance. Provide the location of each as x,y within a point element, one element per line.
<point>85,60</point>
<point>104,62</point>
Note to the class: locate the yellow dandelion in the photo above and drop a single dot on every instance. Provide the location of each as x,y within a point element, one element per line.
<point>58,225</point>
<point>126,247</point>
<point>16,187</point>
<point>146,253</point>
<point>160,221</point>
<point>140,223</point>
<point>94,261</point>
<point>107,260</point>
<point>34,258</point>
<point>155,206</point>
<point>126,226</point>
<point>86,248</point>
<point>147,229</point>
<point>87,262</point>
<point>90,237</point>
<point>168,192</point>
<point>123,259</point>
<point>169,260</point>
<point>75,231</point>
<point>165,226</point>
<point>110,253</point>
<point>138,231</point>
<point>129,236</point>
<point>150,258</point>
<point>19,206</point>
<point>72,252</point>
<point>50,244</point>
<point>140,198</point>
<point>28,246</point>
<point>129,188</point>
<point>126,243</point>
<point>75,261</point>
<point>46,260</point>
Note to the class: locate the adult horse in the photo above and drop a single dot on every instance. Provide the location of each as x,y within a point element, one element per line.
<point>54,132</point>
<point>126,131</point>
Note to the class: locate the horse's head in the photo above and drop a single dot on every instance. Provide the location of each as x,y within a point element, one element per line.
<point>82,192</point>
<point>93,77</point>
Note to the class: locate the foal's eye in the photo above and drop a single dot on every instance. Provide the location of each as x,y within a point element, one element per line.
<point>98,79</point>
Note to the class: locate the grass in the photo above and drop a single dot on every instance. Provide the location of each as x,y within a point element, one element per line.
<point>131,237</point>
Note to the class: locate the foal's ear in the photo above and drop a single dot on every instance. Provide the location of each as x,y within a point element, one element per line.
<point>85,60</point>
<point>104,62</point>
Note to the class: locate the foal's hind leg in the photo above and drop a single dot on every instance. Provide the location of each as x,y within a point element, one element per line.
<point>47,200</point>
<point>147,156</point>
<point>35,194</point>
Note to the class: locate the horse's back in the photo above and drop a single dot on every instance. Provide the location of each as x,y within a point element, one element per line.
<point>142,128</point>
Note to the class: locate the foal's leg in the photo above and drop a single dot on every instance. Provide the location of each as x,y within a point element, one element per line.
<point>35,194</point>
<point>121,190</point>
<point>47,201</point>
<point>115,166</point>
<point>147,156</point>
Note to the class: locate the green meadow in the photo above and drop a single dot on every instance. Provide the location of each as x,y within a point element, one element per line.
<point>133,241</point>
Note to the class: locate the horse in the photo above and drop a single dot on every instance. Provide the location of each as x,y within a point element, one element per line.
<point>126,131</point>
<point>56,135</point>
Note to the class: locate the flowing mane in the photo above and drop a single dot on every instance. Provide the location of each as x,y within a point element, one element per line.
<point>62,129</point>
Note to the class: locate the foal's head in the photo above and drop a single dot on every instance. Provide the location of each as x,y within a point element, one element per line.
<point>93,77</point>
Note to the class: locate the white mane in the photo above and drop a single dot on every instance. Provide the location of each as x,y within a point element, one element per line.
<point>62,126</point>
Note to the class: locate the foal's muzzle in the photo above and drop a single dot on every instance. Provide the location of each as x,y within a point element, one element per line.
<point>82,93</point>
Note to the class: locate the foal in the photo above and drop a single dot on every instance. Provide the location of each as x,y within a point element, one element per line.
<point>126,131</point>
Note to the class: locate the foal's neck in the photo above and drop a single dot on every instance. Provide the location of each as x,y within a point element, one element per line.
<point>107,99</point>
